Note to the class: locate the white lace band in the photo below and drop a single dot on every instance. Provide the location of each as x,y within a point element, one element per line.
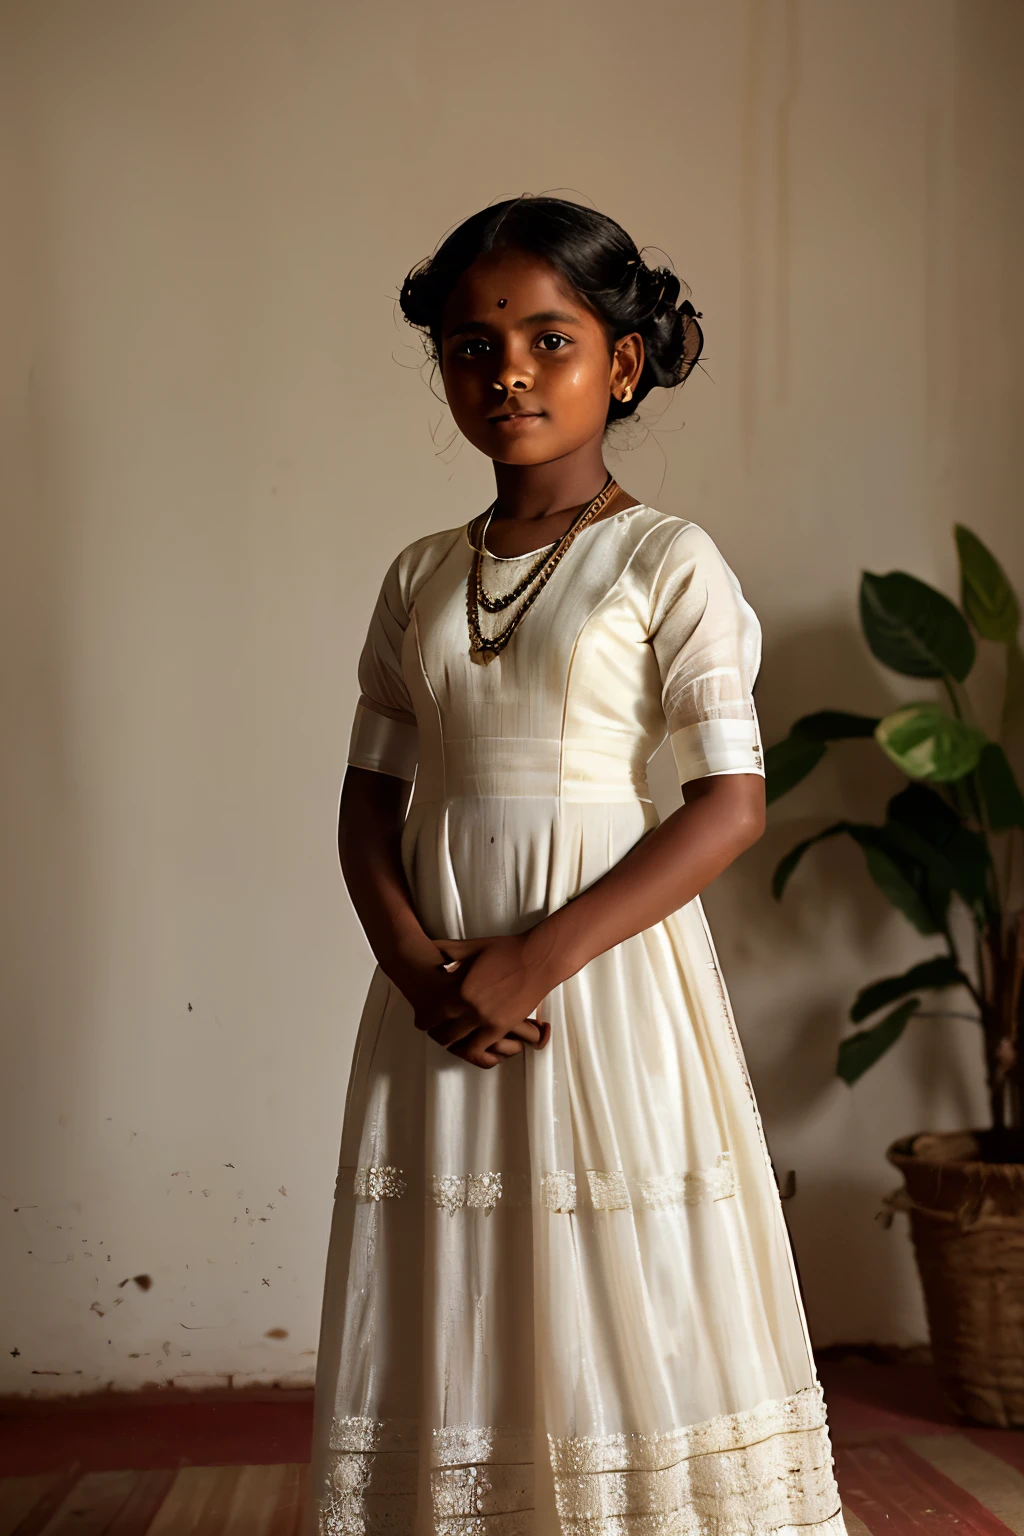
<point>559,1190</point>
<point>768,1469</point>
<point>717,746</point>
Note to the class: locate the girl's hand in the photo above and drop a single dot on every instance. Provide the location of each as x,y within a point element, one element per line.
<point>488,1017</point>
<point>434,993</point>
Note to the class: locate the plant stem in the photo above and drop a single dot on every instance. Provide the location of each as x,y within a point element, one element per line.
<point>997,903</point>
<point>1011,843</point>
<point>948,685</point>
<point>989,973</point>
<point>960,796</point>
<point>954,955</point>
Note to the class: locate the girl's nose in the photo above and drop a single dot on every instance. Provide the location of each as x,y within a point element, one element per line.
<point>513,381</point>
<point>512,378</point>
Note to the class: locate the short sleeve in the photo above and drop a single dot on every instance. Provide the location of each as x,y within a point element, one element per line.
<point>384,735</point>
<point>707,641</point>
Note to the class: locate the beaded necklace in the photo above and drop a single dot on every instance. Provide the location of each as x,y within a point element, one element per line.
<point>484,648</point>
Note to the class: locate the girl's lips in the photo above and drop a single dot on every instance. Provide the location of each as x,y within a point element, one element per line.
<point>519,421</point>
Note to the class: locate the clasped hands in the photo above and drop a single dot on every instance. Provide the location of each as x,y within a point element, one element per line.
<point>480,1007</point>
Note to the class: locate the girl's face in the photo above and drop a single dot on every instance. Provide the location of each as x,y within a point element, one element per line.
<point>527,365</point>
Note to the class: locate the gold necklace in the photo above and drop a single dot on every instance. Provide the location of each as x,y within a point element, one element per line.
<point>496,604</point>
<point>484,648</point>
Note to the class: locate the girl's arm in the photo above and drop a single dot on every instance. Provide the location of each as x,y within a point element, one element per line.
<point>370,819</point>
<point>724,814</point>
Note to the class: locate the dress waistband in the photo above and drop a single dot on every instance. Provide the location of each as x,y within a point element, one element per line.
<point>508,767</point>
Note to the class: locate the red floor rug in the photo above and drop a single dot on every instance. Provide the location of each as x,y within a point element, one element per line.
<point>227,1466</point>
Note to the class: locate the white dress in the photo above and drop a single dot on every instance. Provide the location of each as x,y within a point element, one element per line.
<point>560,1298</point>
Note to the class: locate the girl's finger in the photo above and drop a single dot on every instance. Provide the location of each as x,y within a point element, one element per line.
<point>452,1031</point>
<point>526,1029</point>
<point>507,1047</point>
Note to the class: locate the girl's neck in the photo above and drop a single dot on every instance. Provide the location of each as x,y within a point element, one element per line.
<point>528,493</point>
<point>539,502</point>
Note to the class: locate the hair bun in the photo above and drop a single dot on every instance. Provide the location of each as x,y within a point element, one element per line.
<point>659,288</point>
<point>693,338</point>
<point>673,339</point>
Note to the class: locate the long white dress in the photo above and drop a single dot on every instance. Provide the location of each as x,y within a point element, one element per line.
<point>560,1298</point>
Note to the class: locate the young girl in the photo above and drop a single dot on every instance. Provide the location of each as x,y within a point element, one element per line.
<point>560,1298</point>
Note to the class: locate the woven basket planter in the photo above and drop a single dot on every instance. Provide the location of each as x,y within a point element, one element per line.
<point>967,1223</point>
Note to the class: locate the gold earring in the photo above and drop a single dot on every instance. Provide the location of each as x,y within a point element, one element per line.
<point>627,393</point>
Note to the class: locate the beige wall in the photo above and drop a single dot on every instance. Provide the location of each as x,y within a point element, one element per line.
<point>215,436</point>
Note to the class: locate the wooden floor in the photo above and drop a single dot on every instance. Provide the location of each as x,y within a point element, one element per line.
<point>202,1501</point>
<point>223,1466</point>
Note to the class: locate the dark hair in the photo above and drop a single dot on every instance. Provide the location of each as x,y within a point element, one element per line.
<point>600,261</point>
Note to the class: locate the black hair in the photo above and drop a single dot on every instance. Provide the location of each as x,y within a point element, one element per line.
<point>596,256</point>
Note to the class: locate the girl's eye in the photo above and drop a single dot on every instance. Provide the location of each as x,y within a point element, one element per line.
<point>479,346</point>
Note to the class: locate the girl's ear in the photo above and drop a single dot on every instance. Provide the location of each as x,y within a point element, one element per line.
<point>627,362</point>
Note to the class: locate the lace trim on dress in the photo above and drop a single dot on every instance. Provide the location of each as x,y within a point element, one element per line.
<point>379,1182</point>
<point>762,1471</point>
<point>611,1190</point>
<point>608,1189</point>
<point>766,1469</point>
<point>372,1478</point>
<point>481,1481</point>
<point>558,1190</point>
<point>573,1455</point>
<point>452,1191</point>
<point>459,1445</point>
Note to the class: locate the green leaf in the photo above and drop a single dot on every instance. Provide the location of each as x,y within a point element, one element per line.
<point>942,971</point>
<point>894,881</point>
<point>834,725</point>
<point>951,856</point>
<point>928,743</point>
<point>900,876</point>
<point>786,866</point>
<point>787,762</point>
<point>913,854</point>
<point>988,599</point>
<point>791,760</point>
<point>863,1049</point>
<point>914,629</point>
<point>926,812</point>
<point>1004,803</point>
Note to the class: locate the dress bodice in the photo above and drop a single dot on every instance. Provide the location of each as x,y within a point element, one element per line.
<point>642,631</point>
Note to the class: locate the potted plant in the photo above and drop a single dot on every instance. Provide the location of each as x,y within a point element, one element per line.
<point>949,848</point>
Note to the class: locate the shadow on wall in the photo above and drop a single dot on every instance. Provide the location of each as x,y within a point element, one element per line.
<point>797,964</point>
<point>846,1260</point>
